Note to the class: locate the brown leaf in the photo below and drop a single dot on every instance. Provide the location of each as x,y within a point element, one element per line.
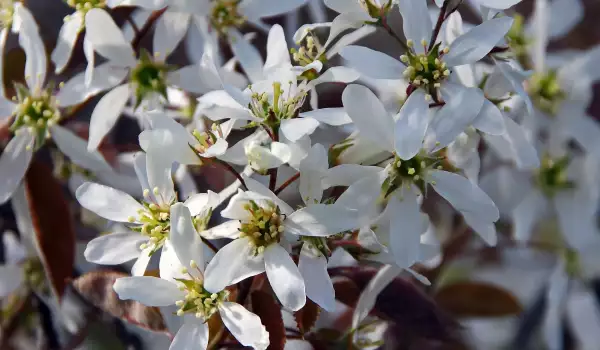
<point>346,291</point>
<point>97,288</point>
<point>52,221</point>
<point>405,304</point>
<point>307,316</point>
<point>265,306</point>
<point>477,299</point>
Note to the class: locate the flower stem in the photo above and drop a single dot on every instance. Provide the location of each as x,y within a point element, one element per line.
<point>383,24</point>
<point>287,183</point>
<point>438,24</point>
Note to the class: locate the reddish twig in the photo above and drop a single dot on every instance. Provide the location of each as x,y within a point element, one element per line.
<point>231,169</point>
<point>287,183</point>
<point>438,24</point>
<point>141,33</point>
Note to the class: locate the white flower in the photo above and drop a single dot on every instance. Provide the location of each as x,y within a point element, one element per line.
<point>429,72</point>
<point>266,223</point>
<point>148,77</point>
<point>195,303</point>
<point>13,272</point>
<point>407,177</point>
<point>150,220</point>
<point>36,112</point>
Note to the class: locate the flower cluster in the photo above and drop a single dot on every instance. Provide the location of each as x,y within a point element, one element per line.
<point>476,115</point>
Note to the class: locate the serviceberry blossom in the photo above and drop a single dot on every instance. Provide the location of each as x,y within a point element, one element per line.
<point>267,228</point>
<point>149,221</point>
<point>187,291</point>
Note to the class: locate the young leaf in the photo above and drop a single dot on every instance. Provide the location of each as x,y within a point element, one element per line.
<point>307,316</point>
<point>52,223</point>
<point>477,299</point>
<point>265,306</point>
<point>97,288</point>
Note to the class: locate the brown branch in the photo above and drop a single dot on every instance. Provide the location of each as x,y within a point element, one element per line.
<point>141,33</point>
<point>438,24</point>
<point>229,168</point>
<point>287,183</point>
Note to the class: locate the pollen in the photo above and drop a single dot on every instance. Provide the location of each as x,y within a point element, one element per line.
<point>264,227</point>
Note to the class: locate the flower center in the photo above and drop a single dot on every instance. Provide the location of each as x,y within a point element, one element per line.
<point>375,8</point>
<point>281,107</point>
<point>206,139</point>
<point>7,11</point>
<point>518,40</point>
<point>551,177</point>
<point>149,77</point>
<point>225,15</point>
<point>198,301</point>
<point>34,274</point>
<point>264,227</point>
<point>85,5</point>
<point>428,70</point>
<point>317,245</point>
<point>310,50</point>
<point>405,172</point>
<point>546,93</point>
<point>155,222</point>
<point>36,112</point>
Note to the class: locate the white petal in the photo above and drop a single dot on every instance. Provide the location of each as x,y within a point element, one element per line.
<point>516,80</point>
<point>369,295</point>
<point>107,202</point>
<point>330,116</point>
<point>416,22</point>
<point>369,116</point>
<point>278,54</point>
<point>191,336</point>
<point>106,113</point>
<point>159,177</point>
<point>247,55</point>
<point>462,107</point>
<point>229,229</point>
<point>284,277</point>
<point>245,326</point>
<point>114,248</point>
<point>363,194</point>
<point>170,29</point>
<point>584,317</point>
<point>186,241</point>
<point>201,202</point>
<point>12,277</point>
<point>477,42</point>
<point>67,37</point>
<point>295,129</point>
<point>522,150</point>
<point>464,195</point>
<point>336,75</point>
<point>373,64</point>
<point>576,220</point>
<point>490,119</point>
<point>499,4</point>
<point>321,220</point>
<point>411,125</point>
<point>14,162</point>
<point>31,42</point>
<point>140,265</point>
<point>345,21</point>
<point>3,38</point>
<point>556,298</point>
<point>107,39</point>
<point>231,264</point>
<point>540,25</point>
<point>14,250</point>
<point>526,215</point>
<point>75,148</point>
<point>77,90</point>
<point>347,174</point>
<point>564,15</point>
<point>169,266</point>
<point>312,169</point>
<point>406,227</point>
<point>319,287</point>
<point>255,9</point>
<point>150,291</point>
<point>168,146</point>
<point>485,229</point>
<point>259,188</point>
